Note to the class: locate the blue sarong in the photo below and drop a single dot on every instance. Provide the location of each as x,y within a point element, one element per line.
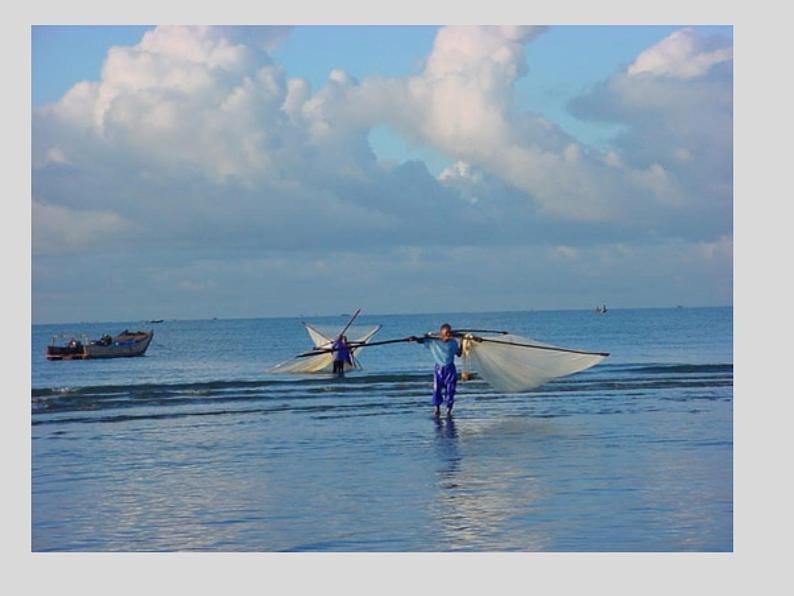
<point>445,380</point>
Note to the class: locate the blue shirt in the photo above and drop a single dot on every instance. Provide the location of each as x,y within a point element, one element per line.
<point>443,352</point>
<point>342,352</point>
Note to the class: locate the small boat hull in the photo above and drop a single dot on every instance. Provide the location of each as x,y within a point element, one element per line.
<point>125,345</point>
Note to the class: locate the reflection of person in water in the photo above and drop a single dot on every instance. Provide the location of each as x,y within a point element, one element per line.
<point>446,431</point>
<point>447,447</point>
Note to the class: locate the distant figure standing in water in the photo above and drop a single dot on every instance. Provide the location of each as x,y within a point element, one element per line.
<point>341,355</point>
<point>445,376</point>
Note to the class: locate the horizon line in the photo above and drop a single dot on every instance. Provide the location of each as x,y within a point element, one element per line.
<point>391,314</point>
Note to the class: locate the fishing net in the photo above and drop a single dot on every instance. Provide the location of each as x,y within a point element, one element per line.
<point>513,364</point>
<point>323,337</point>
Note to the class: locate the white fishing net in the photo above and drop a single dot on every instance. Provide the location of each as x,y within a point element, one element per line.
<point>517,367</point>
<point>323,337</point>
<point>319,338</point>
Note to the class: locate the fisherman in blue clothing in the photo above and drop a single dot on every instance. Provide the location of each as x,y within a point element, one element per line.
<point>445,376</point>
<point>341,352</point>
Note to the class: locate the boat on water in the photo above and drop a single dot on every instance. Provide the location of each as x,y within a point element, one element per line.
<point>125,344</point>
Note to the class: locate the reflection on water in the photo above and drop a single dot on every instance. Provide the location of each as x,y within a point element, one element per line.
<point>476,500</point>
<point>447,450</point>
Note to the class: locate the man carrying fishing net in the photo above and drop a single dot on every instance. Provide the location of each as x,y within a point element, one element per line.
<point>341,352</point>
<point>443,348</point>
<point>508,363</point>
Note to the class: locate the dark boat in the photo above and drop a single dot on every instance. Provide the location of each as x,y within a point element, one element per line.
<point>123,345</point>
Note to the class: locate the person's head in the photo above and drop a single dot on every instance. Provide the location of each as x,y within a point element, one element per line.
<point>445,331</point>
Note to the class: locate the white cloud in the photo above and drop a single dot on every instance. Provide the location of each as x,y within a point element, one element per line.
<point>193,97</point>
<point>55,155</point>
<point>193,285</point>
<point>461,104</point>
<point>59,230</point>
<point>195,139</point>
<point>675,104</point>
<point>460,170</point>
<point>463,278</point>
<point>658,182</point>
<point>682,54</point>
<point>564,252</point>
<point>718,250</point>
<point>183,94</point>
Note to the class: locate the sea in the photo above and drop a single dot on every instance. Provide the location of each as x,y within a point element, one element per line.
<point>196,446</point>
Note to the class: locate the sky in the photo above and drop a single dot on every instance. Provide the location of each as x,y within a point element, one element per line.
<point>198,172</point>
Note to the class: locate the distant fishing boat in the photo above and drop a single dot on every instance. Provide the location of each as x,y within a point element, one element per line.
<point>123,345</point>
<point>153,321</point>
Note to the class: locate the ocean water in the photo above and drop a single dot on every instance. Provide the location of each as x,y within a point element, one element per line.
<point>195,447</point>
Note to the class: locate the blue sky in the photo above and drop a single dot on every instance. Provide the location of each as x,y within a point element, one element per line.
<point>381,165</point>
<point>64,55</point>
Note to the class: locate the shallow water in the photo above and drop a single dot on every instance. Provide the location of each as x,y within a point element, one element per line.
<point>195,447</point>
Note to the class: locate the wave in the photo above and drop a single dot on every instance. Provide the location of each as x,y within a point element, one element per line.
<point>356,379</point>
<point>221,385</point>
<point>333,395</point>
<point>685,368</point>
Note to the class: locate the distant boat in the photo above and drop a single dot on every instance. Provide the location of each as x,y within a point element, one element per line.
<point>601,309</point>
<point>154,321</point>
<point>123,345</point>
